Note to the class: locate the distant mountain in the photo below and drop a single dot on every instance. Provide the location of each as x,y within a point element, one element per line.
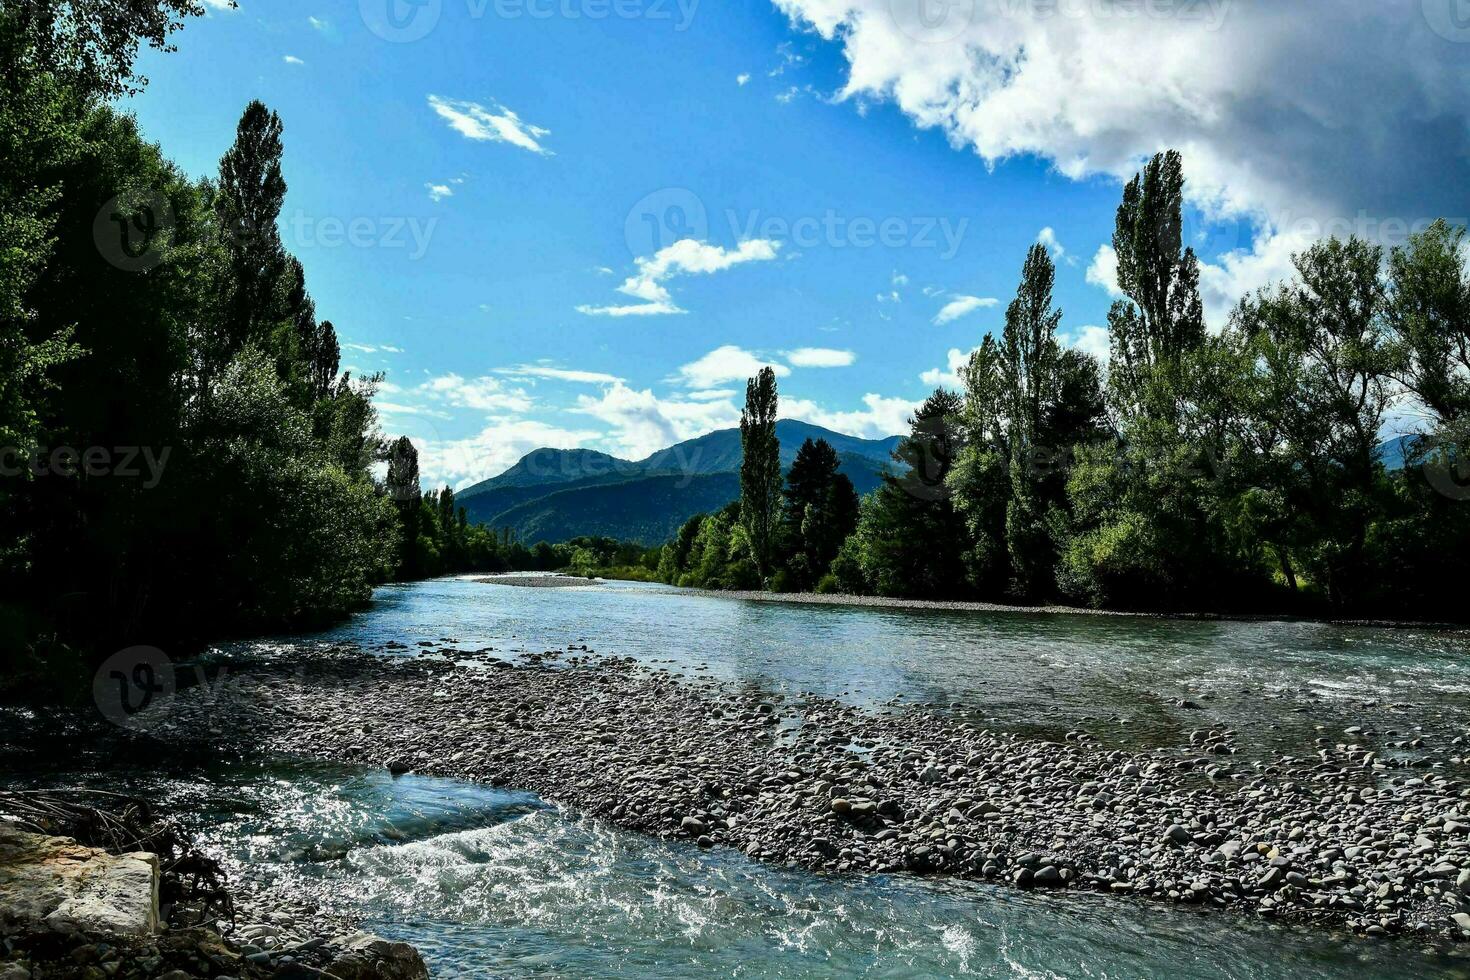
<point>555,494</point>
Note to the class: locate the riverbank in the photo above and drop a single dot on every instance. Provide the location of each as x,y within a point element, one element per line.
<point>956,605</point>
<point>1354,836</point>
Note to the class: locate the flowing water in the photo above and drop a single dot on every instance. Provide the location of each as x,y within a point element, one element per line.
<point>1119,677</point>
<point>491,883</point>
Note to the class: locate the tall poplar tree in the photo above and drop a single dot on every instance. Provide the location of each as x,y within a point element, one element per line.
<point>760,468</point>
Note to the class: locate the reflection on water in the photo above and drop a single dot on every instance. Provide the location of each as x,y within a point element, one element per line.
<point>490,883</point>
<point>1121,678</point>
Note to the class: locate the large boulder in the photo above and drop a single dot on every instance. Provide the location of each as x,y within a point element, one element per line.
<point>54,883</point>
<point>368,957</point>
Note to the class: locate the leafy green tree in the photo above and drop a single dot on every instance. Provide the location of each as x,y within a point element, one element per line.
<point>760,469</point>
<point>1429,311</point>
<point>1323,341</point>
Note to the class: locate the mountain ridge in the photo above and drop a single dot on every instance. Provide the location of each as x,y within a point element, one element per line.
<point>555,494</point>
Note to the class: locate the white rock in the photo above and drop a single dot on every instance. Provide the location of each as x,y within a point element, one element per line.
<point>54,883</point>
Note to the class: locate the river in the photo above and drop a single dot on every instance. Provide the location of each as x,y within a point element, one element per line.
<point>488,882</point>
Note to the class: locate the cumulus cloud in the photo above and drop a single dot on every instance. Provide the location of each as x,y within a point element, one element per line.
<point>438,192</point>
<point>493,124</point>
<point>880,417</point>
<point>642,423</point>
<point>742,78</point>
<point>725,364</point>
<point>460,463</point>
<point>1102,272</point>
<point>684,257</point>
<point>961,305</point>
<point>1091,339</point>
<point>949,375</point>
<point>1283,111</point>
<point>820,357</point>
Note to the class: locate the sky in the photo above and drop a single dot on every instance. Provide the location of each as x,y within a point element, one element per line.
<point>585,222</point>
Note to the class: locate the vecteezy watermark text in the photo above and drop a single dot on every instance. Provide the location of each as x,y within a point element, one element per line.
<point>127,462</point>
<point>308,231</point>
<point>404,21</point>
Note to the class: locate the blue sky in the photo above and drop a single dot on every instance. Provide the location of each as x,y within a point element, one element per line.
<point>583,222</point>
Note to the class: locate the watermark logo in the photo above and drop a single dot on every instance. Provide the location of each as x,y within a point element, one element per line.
<point>401,21</point>
<point>134,687</point>
<point>933,21</point>
<point>664,217</point>
<point>1450,19</point>
<point>132,232</point>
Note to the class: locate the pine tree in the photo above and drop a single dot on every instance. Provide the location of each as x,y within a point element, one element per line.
<point>760,468</point>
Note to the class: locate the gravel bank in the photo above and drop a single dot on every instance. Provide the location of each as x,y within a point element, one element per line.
<point>1344,837</point>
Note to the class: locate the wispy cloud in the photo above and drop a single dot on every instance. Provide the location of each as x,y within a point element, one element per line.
<point>291,59</point>
<point>483,394</point>
<point>438,192</point>
<point>820,357</point>
<point>558,374</point>
<point>319,23</point>
<point>963,305</point>
<point>493,124</point>
<point>685,257</point>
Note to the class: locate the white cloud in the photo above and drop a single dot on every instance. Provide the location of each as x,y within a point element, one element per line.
<point>558,374</point>
<point>723,364</point>
<point>499,446</point>
<point>438,192</point>
<point>389,409</point>
<point>227,5</point>
<point>1281,111</point>
<point>484,394</point>
<point>643,423</point>
<point>820,357</point>
<point>712,394</point>
<point>742,78</point>
<point>495,124</point>
<point>949,375</point>
<point>1048,237</point>
<point>684,257</point>
<point>962,305</point>
<point>880,418</point>
<point>291,59</point>
<point>1103,271</point>
<point>1092,339</point>
<point>319,23</point>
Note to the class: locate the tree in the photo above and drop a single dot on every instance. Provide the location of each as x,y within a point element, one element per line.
<point>910,540</point>
<point>760,469</point>
<point>1430,316</point>
<point>1162,318</point>
<point>1031,358</point>
<point>248,201</point>
<point>1324,346</point>
<point>402,485</point>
